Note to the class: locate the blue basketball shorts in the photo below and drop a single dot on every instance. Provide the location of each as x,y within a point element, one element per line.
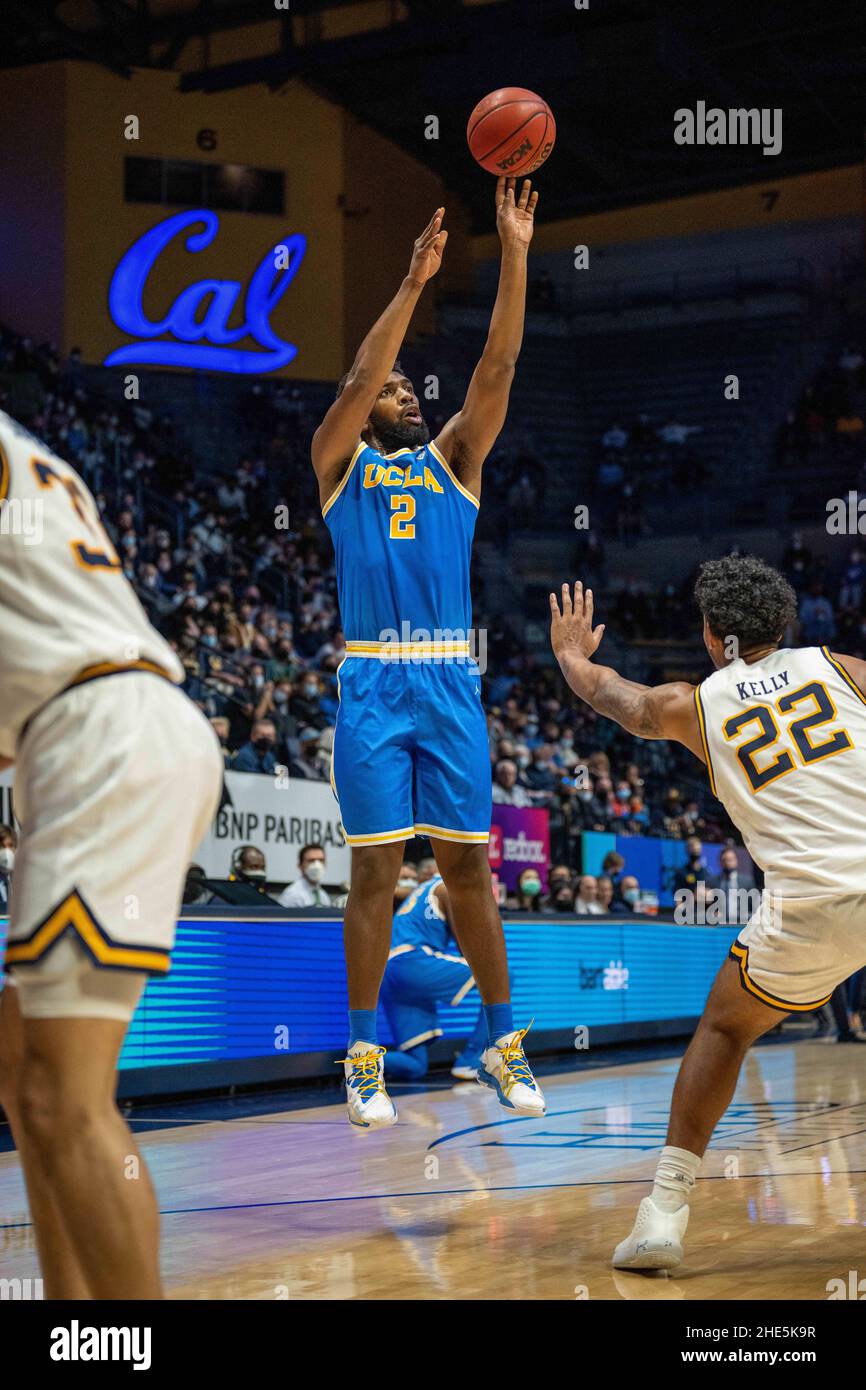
<point>415,983</point>
<point>411,753</point>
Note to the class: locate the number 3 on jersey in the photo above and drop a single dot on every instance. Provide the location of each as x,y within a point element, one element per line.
<point>769,735</point>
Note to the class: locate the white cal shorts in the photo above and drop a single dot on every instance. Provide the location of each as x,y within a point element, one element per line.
<point>116,782</point>
<point>795,951</point>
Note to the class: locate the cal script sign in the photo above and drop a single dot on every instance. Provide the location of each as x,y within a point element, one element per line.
<point>195,332</point>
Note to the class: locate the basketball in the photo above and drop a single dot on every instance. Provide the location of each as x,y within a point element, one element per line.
<point>511,131</point>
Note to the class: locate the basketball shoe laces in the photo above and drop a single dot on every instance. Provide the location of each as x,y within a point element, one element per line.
<point>515,1068</point>
<point>365,1076</point>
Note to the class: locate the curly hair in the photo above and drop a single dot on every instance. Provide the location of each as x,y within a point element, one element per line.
<point>744,597</point>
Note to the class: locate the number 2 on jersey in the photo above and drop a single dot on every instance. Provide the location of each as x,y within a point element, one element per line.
<point>403,520</point>
<point>769,734</point>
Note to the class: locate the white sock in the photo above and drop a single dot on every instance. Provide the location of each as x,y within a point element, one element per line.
<point>675,1179</point>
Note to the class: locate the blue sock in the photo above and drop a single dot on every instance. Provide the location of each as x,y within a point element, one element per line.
<point>499,1021</point>
<point>362,1026</point>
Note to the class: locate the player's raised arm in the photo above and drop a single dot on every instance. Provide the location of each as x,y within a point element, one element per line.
<point>469,436</point>
<point>662,711</point>
<point>336,438</point>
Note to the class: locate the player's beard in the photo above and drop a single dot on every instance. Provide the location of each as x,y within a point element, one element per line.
<point>401,435</point>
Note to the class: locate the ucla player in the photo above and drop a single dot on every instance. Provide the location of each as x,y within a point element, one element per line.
<point>425,969</point>
<point>117,776</point>
<point>410,748</point>
<point>783,734</point>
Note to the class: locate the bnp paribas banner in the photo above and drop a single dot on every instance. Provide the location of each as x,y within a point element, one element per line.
<point>277,814</point>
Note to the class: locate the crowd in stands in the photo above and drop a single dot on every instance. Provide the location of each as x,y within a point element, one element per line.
<point>828,420</point>
<point>645,459</point>
<point>236,569</point>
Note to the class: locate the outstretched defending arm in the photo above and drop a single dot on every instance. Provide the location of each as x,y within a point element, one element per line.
<point>469,435</point>
<point>662,711</point>
<point>338,434</point>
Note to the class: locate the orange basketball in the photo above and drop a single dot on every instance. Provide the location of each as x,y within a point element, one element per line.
<point>511,131</point>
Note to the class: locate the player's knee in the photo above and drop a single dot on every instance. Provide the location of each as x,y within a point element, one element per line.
<point>49,1114</point>
<point>375,869</point>
<point>468,869</point>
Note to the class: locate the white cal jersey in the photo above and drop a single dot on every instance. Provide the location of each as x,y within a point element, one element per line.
<point>785,742</point>
<point>66,610</point>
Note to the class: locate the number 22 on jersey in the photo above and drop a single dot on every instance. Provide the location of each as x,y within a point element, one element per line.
<point>798,744</point>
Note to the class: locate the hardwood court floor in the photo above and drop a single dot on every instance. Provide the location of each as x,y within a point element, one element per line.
<point>462,1201</point>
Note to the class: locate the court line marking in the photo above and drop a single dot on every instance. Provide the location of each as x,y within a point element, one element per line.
<point>462,1192</point>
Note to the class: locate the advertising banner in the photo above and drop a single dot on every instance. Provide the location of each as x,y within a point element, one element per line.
<point>519,839</point>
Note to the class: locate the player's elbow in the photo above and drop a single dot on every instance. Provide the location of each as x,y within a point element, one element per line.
<point>499,366</point>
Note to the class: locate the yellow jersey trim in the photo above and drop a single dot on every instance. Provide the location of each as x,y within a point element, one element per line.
<point>73,913</point>
<point>740,954</point>
<point>705,745</point>
<point>387,651</point>
<point>110,668</point>
<point>384,838</point>
<point>5,474</point>
<point>845,676</point>
<point>345,478</point>
<point>439,832</point>
<point>459,486</point>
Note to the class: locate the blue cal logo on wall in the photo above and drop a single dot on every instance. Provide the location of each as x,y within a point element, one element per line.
<point>195,332</point>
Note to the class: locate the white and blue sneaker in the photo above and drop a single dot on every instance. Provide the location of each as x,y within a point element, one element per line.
<point>655,1240</point>
<point>370,1106</point>
<point>466,1067</point>
<point>505,1070</point>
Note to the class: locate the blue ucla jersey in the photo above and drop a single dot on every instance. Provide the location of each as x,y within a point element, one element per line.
<point>420,922</point>
<point>402,529</point>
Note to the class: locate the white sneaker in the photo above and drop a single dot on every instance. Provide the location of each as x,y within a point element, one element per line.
<point>656,1240</point>
<point>462,1073</point>
<point>505,1070</point>
<point>370,1106</point>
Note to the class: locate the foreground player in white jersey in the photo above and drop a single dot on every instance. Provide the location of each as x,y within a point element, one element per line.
<point>117,775</point>
<point>783,734</point>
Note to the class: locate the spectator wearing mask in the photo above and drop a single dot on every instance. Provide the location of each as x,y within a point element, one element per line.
<point>304,704</point>
<point>529,891</point>
<point>586,903</point>
<point>694,870</point>
<point>541,777</point>
<point>249,866</point>
<point>8,846</point>
<point>258,755</point>
<point>622,797</point>
<point>406,883</point>
<point>506,791</point>
<point>637,817</point>
<point>560,889</point>
<point>308,763</point>
<point>628,896</point>
<point>306,891</point>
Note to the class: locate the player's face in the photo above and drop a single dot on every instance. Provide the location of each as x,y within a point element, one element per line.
<point>396,418</point>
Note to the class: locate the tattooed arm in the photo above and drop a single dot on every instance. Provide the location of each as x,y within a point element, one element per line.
<point>662,711</point>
